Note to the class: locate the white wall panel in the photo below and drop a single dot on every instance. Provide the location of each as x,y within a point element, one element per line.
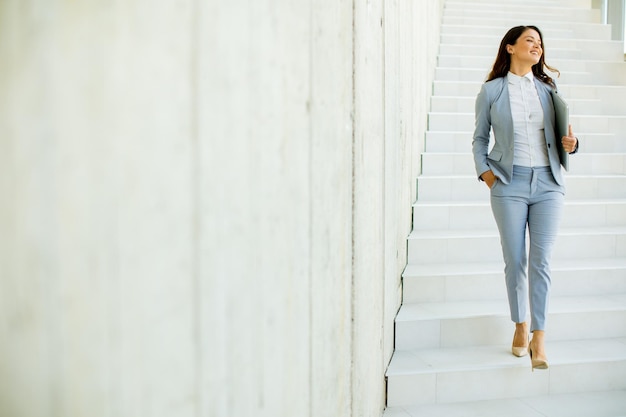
<point>204,205</point>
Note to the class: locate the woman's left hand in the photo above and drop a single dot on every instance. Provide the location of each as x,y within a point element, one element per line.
<point>569,141</point>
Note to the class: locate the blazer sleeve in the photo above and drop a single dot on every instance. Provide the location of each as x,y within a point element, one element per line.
<point>482,128</point>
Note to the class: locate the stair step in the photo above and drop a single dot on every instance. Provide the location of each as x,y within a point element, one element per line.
<point>484,63</point>
<point>590,49</point>
<point>429,283</point>
<point>581,404</point>
<point>540,7</point>
<point>461,141</point>
<point>584,31</point>
<point>487,322</point>
<point>579,29</point>
<point>531,3</point>
<point>446,375</point>
<point>609,75</point>
<point>498,9</point>
<point>612,94</point>
<point>452,246</point>
<point>467,187</point>
<point>580,123</point>
<point>575,77</point>
<point>462,163</point>
<point>588,107</point>
<point>477,215</point>
<point>500,13</point>
<point>486,41</point>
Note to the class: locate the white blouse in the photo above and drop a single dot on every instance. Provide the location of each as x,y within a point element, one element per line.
<point>529,138</point>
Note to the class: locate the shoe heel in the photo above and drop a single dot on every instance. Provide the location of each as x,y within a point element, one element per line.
<point>536,363</point>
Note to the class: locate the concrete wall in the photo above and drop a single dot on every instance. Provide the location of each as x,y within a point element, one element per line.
<point>613,13</point>
<point>204,206</point>
<point>616,16</point>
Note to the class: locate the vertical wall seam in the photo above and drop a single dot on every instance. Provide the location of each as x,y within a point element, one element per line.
<point>196,201</point>
<point>353,217</point>
<point>309,108</point>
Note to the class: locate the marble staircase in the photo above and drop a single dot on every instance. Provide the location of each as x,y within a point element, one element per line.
<point>453,332</point>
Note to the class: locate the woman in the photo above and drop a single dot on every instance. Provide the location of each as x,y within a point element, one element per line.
<point>524,175</point>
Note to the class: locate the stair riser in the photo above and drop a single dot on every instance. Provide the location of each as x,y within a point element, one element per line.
<point>497,329</point>
<point>456,88</point>
<point>583,164</point>
<point>453,217</point>
<point>478,331</point>
<point>470,189</point>
<point>434,289</point>
<point>614,94</point>
<point>480,217</point>
<point>487,249</point>
<point>610,75</point>
<point>606,51</point>
<point>567,77</point>
<point>506,22</point>
<point>448,387</point>
<point>476,68</point>
<point>596,107</point>
<point>464,122</point>
<point>586,107</point>
<point>586,31</point>
<point>489,285</point>
<point>462,142</point>
<point>520,3</point>
<point>448,141</point>
<point>494,40</point>
<point>498,11</point>
<point>484,63</point>
<point>598,164</point>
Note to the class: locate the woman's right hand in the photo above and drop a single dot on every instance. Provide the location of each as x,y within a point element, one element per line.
<point>489,178</point>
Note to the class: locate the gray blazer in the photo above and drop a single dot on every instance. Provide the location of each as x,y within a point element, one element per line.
<point>493,110</point>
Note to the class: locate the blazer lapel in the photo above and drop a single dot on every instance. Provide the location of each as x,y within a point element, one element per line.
<point>507,115</point>
<point>548,112</point>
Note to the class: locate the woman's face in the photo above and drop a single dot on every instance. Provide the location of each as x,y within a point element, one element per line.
<point>527,48</point>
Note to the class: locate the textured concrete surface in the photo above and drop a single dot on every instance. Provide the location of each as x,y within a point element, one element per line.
<point>204,207</point>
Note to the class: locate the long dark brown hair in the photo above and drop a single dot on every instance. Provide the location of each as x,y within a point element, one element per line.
<point>503,60</point>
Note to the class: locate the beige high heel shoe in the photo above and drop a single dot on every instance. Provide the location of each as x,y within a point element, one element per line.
<point>536,363</point>
<point>519,351</point>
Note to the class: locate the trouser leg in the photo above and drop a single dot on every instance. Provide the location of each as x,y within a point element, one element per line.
<point>511,214</point>
<point>543,221</point>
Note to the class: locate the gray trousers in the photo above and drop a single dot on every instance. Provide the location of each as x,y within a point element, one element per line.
<point>534,201</point>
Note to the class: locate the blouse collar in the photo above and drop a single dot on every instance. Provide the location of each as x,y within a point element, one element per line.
<point>516,79</point>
